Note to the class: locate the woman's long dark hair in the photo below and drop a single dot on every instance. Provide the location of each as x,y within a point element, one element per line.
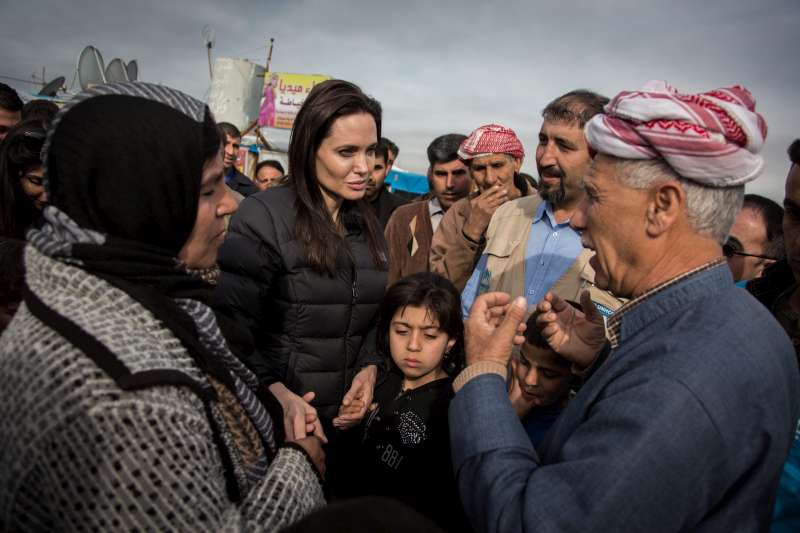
<point>323,243</point>
<point>21,150</point>
<point>442,300</point>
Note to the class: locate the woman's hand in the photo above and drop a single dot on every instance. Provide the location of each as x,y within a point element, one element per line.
<point>299,418</point>
<point>313,447</point>
<point>358,398</point>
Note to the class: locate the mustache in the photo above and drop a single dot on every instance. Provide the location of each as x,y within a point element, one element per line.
<point>551,170</point>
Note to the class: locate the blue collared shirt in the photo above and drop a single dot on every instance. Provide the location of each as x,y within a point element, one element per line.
<point>228,176</point>
<point>551,249</point>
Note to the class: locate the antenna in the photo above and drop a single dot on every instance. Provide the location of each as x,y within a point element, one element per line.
<point>115,71</point>
<point>132,68</point>
<point>208,37</point>
<point>52,88</point>
<point>269,55</point>
<point>90,67</point>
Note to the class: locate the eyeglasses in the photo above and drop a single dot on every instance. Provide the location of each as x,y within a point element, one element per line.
<point>734,247</point>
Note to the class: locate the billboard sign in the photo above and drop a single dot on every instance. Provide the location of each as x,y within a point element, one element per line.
<point>284,94</point>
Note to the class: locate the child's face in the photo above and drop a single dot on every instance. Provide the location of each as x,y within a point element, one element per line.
<point>542,375</point>
<point>418,345</point>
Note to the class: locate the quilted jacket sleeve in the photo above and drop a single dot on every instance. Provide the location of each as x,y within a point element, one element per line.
<point>249,259</point>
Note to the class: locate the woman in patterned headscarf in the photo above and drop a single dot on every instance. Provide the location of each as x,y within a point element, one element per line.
<point>122,403</point>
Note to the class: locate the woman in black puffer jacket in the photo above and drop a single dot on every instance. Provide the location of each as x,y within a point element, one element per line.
<point>304,267</point>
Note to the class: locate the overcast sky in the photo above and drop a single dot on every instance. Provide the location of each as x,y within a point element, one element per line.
<point>442,66</point>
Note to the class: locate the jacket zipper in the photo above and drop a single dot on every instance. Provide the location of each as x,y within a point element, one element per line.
<point>354,297</point>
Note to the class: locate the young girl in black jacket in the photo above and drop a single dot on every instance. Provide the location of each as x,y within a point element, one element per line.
<point>405,441</point>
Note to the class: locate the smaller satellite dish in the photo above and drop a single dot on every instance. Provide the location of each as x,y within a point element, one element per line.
<point>209,35</point>
<point>90,67</point>
<point>132,68</point>
<point>115,71</point>
<point>52,88</point>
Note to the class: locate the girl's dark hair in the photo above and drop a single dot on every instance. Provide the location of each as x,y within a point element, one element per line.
<point>443,301</point>
<point>327,102</point>
<point>21,150</point>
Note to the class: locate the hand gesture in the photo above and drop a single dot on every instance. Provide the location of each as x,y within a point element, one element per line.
<point>358,398</point>
<point>299,417</point>
<point>577,336</point>
<point>313,447</point>
<point>483,207</point>
<point>493,328</point>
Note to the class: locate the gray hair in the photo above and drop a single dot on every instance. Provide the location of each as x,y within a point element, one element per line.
<point>711,210</point>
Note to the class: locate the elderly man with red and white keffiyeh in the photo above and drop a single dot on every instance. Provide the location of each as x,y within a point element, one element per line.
<point>494,155</point>
<point>692,391</point>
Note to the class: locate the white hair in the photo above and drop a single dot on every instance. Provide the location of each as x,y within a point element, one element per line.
<point>711,210</point>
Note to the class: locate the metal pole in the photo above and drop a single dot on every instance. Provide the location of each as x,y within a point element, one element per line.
<point>269,57</point>
<point>210,72</point>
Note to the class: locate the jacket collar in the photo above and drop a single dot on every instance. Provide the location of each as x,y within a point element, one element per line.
<point>676,293</point>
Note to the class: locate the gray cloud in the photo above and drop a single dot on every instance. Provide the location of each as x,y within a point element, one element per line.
<point>443,66</point>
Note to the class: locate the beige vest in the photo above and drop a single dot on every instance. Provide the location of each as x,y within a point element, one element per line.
<point>506,240</point>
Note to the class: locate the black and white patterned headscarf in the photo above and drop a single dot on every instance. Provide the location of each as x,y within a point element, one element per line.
<point>123,167</point>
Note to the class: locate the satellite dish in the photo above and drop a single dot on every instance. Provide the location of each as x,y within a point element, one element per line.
<point>90,68</point>
<point>52,88</point>
<point>132,68</point>
<point>115,71</point>
<point>209,35</point>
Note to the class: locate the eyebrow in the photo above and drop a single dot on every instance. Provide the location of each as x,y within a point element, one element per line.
<point>406,324</point>
<point>456,171</point>
<point>566,142</point>
<point>212,179</point>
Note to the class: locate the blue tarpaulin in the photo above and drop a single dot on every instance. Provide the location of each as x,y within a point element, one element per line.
<point>402,180</point>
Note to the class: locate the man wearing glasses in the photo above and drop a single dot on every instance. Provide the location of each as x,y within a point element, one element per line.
<point>756,238</point>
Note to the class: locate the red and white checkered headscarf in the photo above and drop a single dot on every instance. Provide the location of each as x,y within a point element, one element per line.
<point>491,139</point>
<point>713,138</point>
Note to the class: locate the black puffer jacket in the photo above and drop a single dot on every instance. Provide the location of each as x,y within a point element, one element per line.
<point>312,332</point>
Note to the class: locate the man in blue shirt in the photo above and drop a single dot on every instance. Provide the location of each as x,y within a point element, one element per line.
<point>530,246</point>
<point>692,394</point>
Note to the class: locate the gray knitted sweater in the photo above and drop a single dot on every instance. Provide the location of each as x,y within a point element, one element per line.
<point>80,453</point>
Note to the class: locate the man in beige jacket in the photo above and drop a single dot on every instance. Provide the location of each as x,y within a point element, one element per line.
<point>494,156</point>
<point>530,247</point>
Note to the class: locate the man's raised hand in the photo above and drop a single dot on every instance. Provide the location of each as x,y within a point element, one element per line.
<point>574,334</point>
<point>493,328</point>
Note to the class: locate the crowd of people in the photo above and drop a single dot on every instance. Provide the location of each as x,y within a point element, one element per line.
<point>612,346</point>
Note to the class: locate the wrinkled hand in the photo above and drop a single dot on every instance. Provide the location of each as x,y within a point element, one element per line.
<point>521,405</point>
<point>313,447</point>
<point>299,417</point>
<point>358,398</point>
<point>493,328</point>
<point>482,208</point>
<point>577,336</point>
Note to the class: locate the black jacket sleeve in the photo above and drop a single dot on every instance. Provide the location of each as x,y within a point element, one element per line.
<point>243,185</point>
<point>368,354</point>
<point>249,259</point>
